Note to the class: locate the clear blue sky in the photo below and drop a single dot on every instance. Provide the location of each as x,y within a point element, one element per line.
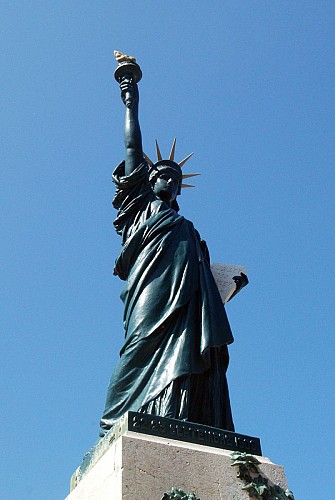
<point>249,87</point>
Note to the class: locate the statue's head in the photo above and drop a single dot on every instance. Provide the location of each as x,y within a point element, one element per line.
<point>166,176</point>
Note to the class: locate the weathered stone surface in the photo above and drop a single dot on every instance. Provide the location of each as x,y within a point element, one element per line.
<point>138,467</point>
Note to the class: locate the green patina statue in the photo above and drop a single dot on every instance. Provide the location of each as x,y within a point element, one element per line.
<point>174,359</point>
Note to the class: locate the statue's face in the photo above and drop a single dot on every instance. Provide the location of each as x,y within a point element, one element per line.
<point>166,186</point>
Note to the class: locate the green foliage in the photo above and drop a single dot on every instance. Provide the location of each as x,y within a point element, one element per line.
<point>247,463</point>
<point>178,494</point>
<point>257,486</point>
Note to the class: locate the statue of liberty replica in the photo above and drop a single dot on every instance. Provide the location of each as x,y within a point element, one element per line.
<point>174,359</point>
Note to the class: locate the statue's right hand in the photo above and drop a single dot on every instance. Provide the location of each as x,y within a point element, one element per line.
<point>129,91</point>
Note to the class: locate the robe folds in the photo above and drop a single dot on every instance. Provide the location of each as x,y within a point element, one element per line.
<point>174,359</point>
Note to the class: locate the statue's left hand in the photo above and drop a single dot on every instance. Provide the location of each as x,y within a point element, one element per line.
<point>241,281</point>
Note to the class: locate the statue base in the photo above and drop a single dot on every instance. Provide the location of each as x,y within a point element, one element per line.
<point>144,456</point>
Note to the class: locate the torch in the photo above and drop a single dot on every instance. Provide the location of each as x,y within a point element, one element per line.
<point>127,67</point>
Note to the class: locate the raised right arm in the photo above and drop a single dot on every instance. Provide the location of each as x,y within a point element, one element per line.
<point>132,131</point>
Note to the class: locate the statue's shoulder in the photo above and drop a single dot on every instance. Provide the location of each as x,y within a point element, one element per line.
<point>138,177</point>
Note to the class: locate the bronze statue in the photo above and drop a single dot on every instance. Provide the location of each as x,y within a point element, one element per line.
<point>174,359</point>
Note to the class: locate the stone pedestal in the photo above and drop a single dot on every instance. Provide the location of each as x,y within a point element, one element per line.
<point>137,466</point>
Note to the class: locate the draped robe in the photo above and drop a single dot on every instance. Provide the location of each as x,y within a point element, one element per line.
<point>174,359</point>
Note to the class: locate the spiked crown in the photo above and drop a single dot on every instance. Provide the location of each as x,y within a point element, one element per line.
<point>161,164</point>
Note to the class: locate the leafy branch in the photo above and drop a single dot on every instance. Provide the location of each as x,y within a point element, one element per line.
<point>178,494</point>
<point>257,486</point>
